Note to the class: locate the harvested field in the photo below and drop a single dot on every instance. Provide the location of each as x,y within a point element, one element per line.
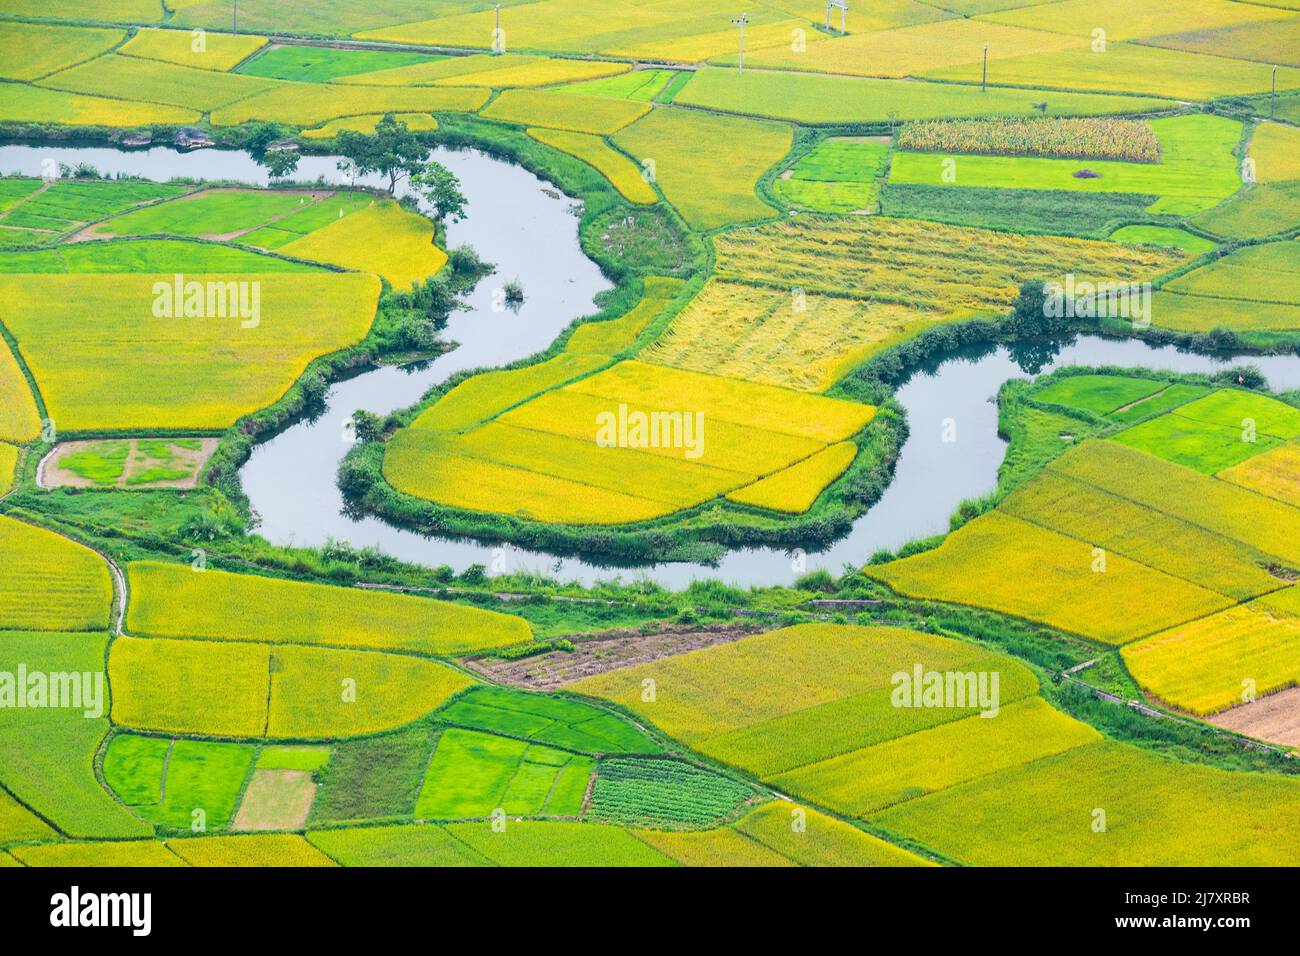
<point>126,463</point>
<point>1275,718</point>
<point>276,800</point>
<point>605,652</point>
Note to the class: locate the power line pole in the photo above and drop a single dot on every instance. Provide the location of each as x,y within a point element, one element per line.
<point>741,21</point>
<point>235,25</point>
<point>497,45</point>
<point>984,80</point>
<point>1272,97</point>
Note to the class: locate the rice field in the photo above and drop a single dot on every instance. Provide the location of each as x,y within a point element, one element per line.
<point>1164,236</point>
<point>643,85</point>
<point>384,239</point>
<point>546,459</point>
<point>825,841</point>
<point>1131,19</point>
<point>204,374</point>
<point>230,689</point>
<point>171,600</point>
<point>763,334</point>
<point>270,849</point>
<point>612,336</point>
<point>579,114</point>
<point>821,99</point>
<point>313,104</point>
<point>724,700</point>
<point>1237,286</point>
<point>545,72</point>
<point>430,71</point>
<point>417,122</point>
<point>708,186</point>
<point>1144,534</point>
<point>29,51</point>
<point>1158,812</point>
<point>115,854</point>
<point>73,581</point>
<point>1221,661</point>
<point>57,779</point>
<point>546,719</point>
<point>473,774</point>
<point>908,50</point>
<point>1197,169</point>
<point>166,781</point>
<point>794,489</point>
<point>20,422</point>
<point>68,203</point>
<point>1124,140</point>
<point>1217,506</point>
<point>1274,473</point>
<point>208,212</point>
<point>557,844</point>
<point>35,104</point>
<point>1202,446</point>
<point>1272,41</point>
<point>154,81</point>
<point>309,64</point>
<point>1274,148</point>
<point>1000,562</point>
<point>215,51</point>
<point>1128,68</point>
<point>868,780</point>
<point>404,846</point>
<point>950,270</point>
<point>1254,212</point>
<point>623,174</point>
<point>840,174</point>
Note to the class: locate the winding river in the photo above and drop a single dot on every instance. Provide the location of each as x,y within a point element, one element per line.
<point>530,232</point>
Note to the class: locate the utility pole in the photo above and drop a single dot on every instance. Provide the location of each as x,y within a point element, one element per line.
<point>984,80</point>
<point>1272,97</point>
<point>740,21</point>
<point>843,6</point>
<point>235,25</point>
<point>496,34</point>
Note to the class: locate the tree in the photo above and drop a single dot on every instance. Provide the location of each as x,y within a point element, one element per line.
<point>280,163</point>
<point>392,150</point>
<point>440,188</point>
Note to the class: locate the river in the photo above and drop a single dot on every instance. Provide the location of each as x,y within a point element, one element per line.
<point>530,231</point>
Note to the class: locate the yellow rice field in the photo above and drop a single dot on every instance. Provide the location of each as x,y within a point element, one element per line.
<point>73,582</point>
<point>202,373</point>
<point>171,600</point>
<point>1212,664</point>
<point>568,111</point>
<point>954,269</point>
<point>797,340</point>
<point>29,51</point>
<point>313,104</point>
<point>19,420</point>
<point>794,489</point>
<point>614,335</point>
<point>154,81</point>
<point>1003,563</point>
<point>34,104</point>
<point>1275,473</point>
<point>261,849</point>
<point>710,187</point>
<point>1276,151</point>
<point>541,73</point>
<point>622,173</point>
<point>418,122</point>
<point>383,238</point>
<point>213,51</point>
<point>232,689</point>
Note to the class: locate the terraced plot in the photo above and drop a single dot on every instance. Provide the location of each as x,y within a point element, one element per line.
<point>29,51</point>
<point>1274,473</point>
<point>579,114</point>
<point>559,721</point>
<point>73,581</point>
<point>312,104</point>
<point>841,174</point>
<point>622,173</point>
<point>215,51</point>
<point>153,81</point>
<point>383,238</point>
